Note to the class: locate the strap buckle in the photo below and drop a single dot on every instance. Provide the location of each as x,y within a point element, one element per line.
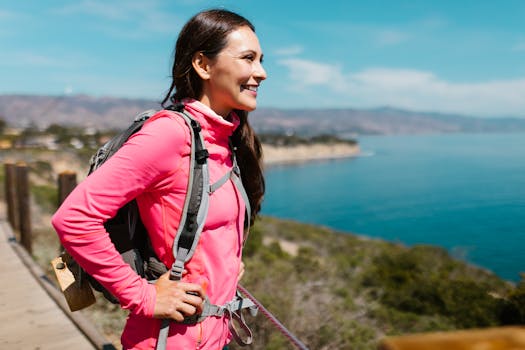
<point>201,156</point>
<point>233,310</point>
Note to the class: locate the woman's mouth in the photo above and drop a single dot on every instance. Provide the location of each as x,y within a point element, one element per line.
<point>252,88</point>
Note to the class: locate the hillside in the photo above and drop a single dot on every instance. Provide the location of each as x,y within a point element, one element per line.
<point>107,112</point>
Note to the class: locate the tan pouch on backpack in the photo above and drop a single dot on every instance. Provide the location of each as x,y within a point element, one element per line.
<point>77,291</point>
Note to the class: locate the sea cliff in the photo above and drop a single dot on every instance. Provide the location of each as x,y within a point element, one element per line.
<point>273,155</point>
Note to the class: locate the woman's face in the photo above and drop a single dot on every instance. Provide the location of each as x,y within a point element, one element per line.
<point>234,75</point>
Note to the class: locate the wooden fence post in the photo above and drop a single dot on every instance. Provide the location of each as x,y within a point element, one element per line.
<point>24,209</point>
<point>10,194</point>
<point>67,181</point>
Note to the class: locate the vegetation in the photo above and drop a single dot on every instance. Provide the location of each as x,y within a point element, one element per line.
<point>3,124</point>
<point>277,139</point>
<point>344,292</point>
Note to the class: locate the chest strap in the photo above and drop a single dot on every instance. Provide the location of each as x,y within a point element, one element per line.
<point>233,311</point>
<point>235,176</point>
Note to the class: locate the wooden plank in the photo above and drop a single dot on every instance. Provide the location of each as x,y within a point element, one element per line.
<point>30,318</point>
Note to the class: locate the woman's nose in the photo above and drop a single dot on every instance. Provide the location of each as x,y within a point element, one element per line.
<point>259,72</point>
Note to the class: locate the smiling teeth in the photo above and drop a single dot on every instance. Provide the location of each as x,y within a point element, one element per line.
<point>251,88</point>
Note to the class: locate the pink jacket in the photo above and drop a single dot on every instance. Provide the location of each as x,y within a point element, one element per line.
<point>152,167</point>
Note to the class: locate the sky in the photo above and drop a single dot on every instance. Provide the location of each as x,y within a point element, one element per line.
<point>450,56</point>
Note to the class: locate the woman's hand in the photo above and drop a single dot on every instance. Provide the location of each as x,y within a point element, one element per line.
<point>176,299</point>
<point>241,271</point>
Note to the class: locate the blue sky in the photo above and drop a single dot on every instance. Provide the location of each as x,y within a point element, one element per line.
<point>460,56</point>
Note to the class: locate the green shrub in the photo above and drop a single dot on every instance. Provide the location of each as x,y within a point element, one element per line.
<point>306,262</point>
<point>415,281</point>
<point>514,306</point>
<point>254,241</point>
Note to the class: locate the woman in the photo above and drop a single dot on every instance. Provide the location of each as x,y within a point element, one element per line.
<point>216,74</point>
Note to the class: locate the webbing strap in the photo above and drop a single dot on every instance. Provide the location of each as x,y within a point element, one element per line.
<point>162,341</point>
<point>237,181</point>
<point>232,310</point>
<point>235,175</point>
<point>196,203</point>
<point>224,178</point>
<point>193,215</point>
<point>209,309</point>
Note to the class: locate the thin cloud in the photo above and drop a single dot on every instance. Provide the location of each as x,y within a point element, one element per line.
<point>520,46</point>
<point>406,88</point>
<point>391,37</point>
<point>125,19</point>
<point>6,15</point>
<point>37,60</point>
<point>106,10</point>
<point>292,50</point>
<point>57,62</point>
<point>9,21</point>
<point>433,22</point>
<point>310,73</point>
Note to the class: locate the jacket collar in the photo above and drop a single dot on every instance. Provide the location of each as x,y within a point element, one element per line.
<point>215,126</point>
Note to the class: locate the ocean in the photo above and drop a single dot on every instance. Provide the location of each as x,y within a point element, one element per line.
<point>463,192</point>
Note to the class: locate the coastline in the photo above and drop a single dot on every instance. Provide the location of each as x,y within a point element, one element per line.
<point>279,155</point>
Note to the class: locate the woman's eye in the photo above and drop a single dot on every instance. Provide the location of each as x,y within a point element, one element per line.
<point>249,57</point>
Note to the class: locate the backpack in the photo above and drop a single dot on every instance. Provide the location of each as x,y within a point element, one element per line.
<point>126,229</point>
<point>131,240</point>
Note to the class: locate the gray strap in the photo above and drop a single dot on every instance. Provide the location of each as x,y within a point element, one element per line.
<point>182,257</point>
<point>243,335</point>
<point>237,304</point>
<point>247,336</point>
<point>162,341</point>
<point>236,178</point>
<point>220,182</point>
<point>232,310</point>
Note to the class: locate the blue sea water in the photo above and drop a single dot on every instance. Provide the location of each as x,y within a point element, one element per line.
<point>464,192</point>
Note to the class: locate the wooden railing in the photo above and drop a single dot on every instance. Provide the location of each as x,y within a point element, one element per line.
<point>17,194</point>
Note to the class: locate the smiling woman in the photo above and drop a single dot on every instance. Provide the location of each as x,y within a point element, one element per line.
<point>216,73</point>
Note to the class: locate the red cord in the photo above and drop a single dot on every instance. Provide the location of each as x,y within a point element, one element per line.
<point>292,338</point>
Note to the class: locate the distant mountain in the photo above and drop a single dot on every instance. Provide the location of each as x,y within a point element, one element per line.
<point>381,121</point>
<point>102,112</point>
<point>109,112</point>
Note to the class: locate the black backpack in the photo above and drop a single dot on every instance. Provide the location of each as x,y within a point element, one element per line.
<point>126,229</point>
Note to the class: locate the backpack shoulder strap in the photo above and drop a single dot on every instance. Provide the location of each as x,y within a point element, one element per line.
<point>196,203</point>
<point>194,211</point>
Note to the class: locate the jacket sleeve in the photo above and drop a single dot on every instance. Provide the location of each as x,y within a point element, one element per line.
<point>146,158</point>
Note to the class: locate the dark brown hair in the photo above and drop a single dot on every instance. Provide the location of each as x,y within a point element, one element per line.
<point>207,32</point>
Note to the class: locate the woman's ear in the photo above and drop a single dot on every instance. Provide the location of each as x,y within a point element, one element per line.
<point>201,64</point>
